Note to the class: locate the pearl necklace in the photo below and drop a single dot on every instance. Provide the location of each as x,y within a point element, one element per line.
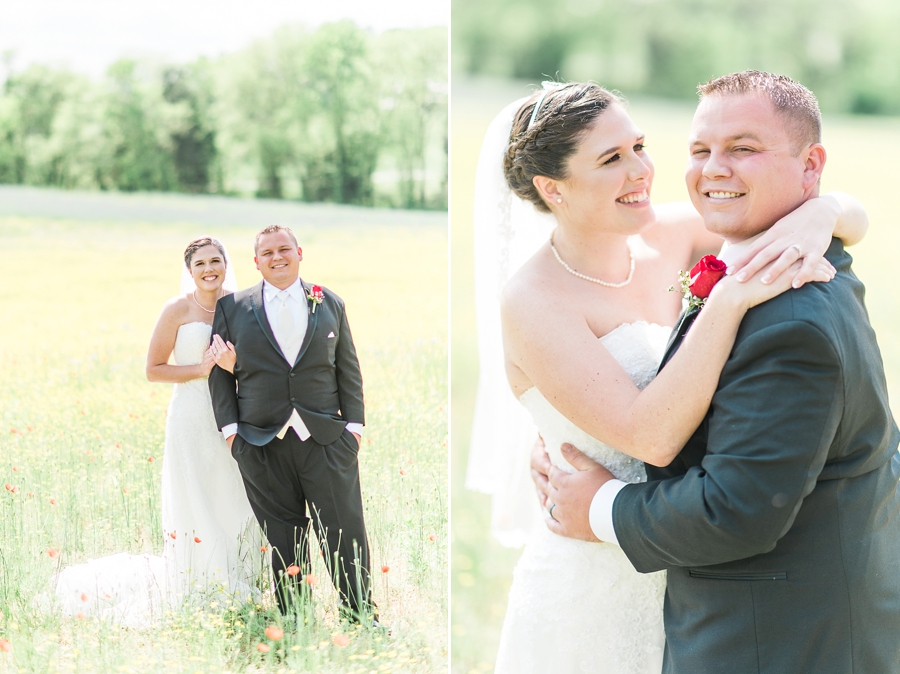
<point>209,311</point>
<point>589,278</point>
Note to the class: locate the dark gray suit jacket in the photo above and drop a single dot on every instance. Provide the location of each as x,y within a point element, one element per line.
<point>779,522</point>
<point>324,385</point>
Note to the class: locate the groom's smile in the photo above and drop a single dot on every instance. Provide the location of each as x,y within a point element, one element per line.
<point>745,169</point>
<point>278,258</point>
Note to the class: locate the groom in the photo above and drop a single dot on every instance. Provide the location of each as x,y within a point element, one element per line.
<point>779,521</point>
<point>292,414</point>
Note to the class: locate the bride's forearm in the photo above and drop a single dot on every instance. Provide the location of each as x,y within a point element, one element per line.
<point>173,374</point>
<point>852,220</point>
<point>662,418</point>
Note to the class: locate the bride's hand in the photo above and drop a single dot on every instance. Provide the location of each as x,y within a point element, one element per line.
<point>803,234</point>
<point>224,353</point>
<point>758,290</point>
<point>207,363</point>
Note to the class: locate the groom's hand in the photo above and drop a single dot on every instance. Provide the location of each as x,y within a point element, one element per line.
<point>540,468</point>
<point>570,495</point>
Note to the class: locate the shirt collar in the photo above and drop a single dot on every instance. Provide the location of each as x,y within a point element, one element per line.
<point>295,290</point>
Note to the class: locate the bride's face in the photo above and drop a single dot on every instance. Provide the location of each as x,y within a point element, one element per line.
<point>208,268</point>
<point>609,177</point>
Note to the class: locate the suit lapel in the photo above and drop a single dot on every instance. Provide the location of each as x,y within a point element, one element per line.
<point>259,310</point>
<point>312,319</point>
<point>684,324</point>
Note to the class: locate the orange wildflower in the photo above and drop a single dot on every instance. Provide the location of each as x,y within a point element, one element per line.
<point>385,568</point>
<point>52,553</point>
<point>5,646</point>
<point>274,633</point>
<point>8,486</point>
<point>197,539</point>
<point>83,597</point>
<point>150,459</point>
<point>172,535</point>
<point>263,548</point>
<point>310,579</point>
<point>118,445</point>
<point>340,640</point>
<point>14,489</point>
<point>432,538</point>
<point>80,615</point>
<point>53,501</point>
<point>262,648</point>
<point>402,472</point>
<point>15,469</point>
<point>292,570</point>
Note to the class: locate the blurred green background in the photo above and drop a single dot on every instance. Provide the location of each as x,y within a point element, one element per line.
<point>656,52</point>
<point>332,114</point>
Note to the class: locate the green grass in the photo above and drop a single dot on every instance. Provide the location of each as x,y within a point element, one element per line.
<point>79,424</point>
<point>862,156</point>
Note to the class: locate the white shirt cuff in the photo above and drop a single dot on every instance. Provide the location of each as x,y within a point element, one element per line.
<point>602,509</point>
<point>229,430</point>
<point>355,427</point>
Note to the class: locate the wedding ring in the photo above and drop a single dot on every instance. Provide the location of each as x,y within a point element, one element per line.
<point>552,506</point>
<point>799,252</point>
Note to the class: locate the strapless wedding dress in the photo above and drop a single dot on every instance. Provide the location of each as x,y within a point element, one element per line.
<point>576,606</point>
<point>211,539</point>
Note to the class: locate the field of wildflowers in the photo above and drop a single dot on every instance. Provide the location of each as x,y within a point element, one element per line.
<point>81,438</point>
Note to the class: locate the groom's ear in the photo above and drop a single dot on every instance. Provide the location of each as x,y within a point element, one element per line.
<point>548,188</point>
<point>814,164</point>
<point>256,260</point>
<point>300,253</point>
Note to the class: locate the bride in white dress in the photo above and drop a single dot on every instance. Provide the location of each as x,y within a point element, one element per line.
<point>211,539</point>
<point>581,309</point>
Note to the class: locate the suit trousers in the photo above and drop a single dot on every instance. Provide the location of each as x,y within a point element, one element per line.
<point>295,486</point>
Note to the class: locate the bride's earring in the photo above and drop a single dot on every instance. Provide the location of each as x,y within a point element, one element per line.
<point>559,200</point>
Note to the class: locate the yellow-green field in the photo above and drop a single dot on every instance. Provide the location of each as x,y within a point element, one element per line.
<point>862,157</point>
<point>79,425</point>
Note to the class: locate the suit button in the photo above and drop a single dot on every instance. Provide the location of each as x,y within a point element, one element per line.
<point>293,373</point>
<point>293,398</point>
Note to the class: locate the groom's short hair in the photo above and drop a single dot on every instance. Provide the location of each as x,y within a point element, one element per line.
<point>797,104</point>
<point>271,229</point>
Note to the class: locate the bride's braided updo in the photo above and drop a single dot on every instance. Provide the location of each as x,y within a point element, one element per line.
<point>197,244</point>
<point>542,147</point>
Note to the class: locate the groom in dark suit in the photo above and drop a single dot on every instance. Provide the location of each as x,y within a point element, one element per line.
<point>779,522</point>
<point>292,414</point>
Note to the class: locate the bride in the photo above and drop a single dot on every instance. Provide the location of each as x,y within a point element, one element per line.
<point>579,295</point>
<point>211,540</point>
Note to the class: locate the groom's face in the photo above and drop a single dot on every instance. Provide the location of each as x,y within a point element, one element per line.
<point>745,171</point>
<point>278,259</point>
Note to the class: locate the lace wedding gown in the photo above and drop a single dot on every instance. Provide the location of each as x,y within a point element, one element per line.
<point>576,606</point>
<point>211,536</point>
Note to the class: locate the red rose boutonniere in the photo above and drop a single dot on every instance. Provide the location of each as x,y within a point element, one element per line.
<point>317,296</point>
<point>697,285</point>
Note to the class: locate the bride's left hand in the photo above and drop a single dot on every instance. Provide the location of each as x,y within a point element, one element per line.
<point>804,233</point>
<point>224,354</point>
<point>569,496</point>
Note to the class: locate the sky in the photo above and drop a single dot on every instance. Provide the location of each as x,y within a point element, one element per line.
<point>88,35</point>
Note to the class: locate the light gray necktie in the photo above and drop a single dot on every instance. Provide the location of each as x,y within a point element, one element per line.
<point>287,332</point>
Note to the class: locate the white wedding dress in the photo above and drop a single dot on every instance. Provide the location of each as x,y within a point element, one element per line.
<point>212,541</point>
<point>576,606</point>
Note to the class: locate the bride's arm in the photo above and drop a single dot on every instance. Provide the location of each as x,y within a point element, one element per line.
<point>558,352</point>
<point>162,342</point>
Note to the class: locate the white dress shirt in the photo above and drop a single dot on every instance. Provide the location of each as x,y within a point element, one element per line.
<point>289,332</point>
<point>602,504</point>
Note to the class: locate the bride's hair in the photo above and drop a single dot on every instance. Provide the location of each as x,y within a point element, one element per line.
<point>197,244</point>
<point>541,142</point>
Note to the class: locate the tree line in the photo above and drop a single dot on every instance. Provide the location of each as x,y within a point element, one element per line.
<point>846,51</point>
<point>336,114</point>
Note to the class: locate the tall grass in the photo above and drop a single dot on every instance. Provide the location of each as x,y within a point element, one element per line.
<point>862,156</point>
<point>81,438</point>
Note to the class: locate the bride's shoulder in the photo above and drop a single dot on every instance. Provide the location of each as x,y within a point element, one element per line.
<point>531,291</point>
<point>176,308</point>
